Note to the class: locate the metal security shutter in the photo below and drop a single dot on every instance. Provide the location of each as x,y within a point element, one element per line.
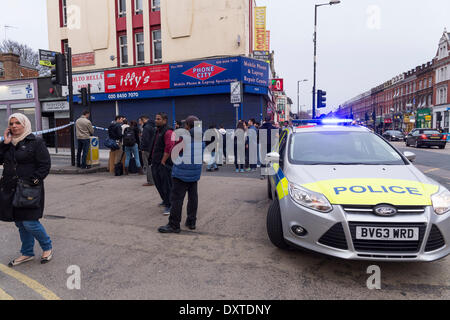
<point>133,109</point>
<point>211,109</point>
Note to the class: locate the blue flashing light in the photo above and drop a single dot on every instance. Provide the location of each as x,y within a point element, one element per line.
<point>330,121</point>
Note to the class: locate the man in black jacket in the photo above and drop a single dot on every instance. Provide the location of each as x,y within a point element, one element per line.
<point>266,127</point>
<point>161,161</point>
<point>147,139</point>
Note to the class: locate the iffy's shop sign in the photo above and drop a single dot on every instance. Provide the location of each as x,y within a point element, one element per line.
<point>137,79</point>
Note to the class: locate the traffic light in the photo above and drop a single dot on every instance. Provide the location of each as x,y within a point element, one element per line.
<point>84,96</point>
<point>321,99</point>
<point>59,70</point>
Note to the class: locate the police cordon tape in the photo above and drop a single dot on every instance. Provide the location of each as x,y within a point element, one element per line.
<point>38,133</point>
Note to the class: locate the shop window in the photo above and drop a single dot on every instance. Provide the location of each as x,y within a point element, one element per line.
<point>446,122</point>
<point>2,70</point>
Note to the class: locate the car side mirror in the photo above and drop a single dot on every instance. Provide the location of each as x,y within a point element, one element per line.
<point>273,157</point>
<point>410,156</point>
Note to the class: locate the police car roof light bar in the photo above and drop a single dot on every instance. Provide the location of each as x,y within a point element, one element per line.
<point>321,121</point>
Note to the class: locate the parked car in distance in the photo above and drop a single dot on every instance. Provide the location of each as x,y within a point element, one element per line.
<point>426,137</point>
<point>394,135</point>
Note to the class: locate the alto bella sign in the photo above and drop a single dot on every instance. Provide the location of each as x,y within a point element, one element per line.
<point>95,79</point>
<point>22,91</point>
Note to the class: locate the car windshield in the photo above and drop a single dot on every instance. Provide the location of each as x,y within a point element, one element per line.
<point>395,132</point>
<point>342,148</point>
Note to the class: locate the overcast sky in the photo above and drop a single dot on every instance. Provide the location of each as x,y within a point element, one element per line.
<point>361,43</point>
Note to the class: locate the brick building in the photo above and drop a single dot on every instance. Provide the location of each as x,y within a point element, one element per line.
<point>13,68</point>
<point>416,98</point>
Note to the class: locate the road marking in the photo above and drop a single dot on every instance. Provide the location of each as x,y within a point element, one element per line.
<point>431,170</point>
<point>30,283</point>
<point>5,296</point>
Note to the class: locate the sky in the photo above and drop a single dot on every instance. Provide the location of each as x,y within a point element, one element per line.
<point>360,43</point>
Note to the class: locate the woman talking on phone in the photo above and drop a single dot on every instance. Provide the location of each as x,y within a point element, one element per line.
<point>26,163</point>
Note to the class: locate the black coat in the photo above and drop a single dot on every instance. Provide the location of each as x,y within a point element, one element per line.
<point>148,136</point>
<point>33,162</point>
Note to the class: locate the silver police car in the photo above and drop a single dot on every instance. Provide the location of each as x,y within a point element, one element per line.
<point>346,192</point>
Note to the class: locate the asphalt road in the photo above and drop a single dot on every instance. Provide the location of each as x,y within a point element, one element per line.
<point>107,227</point>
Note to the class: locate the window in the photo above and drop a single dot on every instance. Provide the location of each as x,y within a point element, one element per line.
<point>430,80</point>
<point>64,46</point>
<point>420,85</point>
<point>430,100</point>
<point>156,5</point>
<point>138,7</point>
<point>157,46</point>
<point>140,55</point>
<point>123,50</point>
<point>64,13</point>
<point>122,8</point>
<point>2,70</point>
<point>414,86</point>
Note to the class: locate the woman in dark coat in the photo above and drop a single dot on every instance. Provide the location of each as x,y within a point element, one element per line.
<point>25,157</point>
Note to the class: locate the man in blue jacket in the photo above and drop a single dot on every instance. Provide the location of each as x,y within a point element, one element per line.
<point>184,179</point>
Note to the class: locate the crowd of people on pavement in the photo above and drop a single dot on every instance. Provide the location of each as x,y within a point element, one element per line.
<point>146,144</point>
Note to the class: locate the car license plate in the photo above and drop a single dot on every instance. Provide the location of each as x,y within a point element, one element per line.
<point>435,137</point>
<point>387,233</point>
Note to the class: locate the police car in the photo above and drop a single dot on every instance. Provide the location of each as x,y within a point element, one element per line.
<point>344,191</point>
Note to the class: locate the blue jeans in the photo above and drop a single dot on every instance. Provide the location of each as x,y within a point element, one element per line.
<point>83,147</point>
<point>212,162</point>
<point>132,150</point>
<point>30,230</point>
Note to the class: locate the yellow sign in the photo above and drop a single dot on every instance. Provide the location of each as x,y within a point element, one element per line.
<point>406,119</point>
<point>427,118</point>
<point>375,191</point>
<point>260,35</point>
<point>93,153</point>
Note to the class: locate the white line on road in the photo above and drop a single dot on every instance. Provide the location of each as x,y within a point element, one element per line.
<point>431,170</point>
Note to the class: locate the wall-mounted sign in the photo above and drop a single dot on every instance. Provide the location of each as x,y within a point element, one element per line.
<point>277,85</point>
<point>21,91</point>
<point>95,79</point>
<point>260,33</point>
<point>83,59</point>
<point>55,106</point>
<point>137,79</point>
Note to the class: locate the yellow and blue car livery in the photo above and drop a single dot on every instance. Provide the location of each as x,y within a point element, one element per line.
<point>355,192</point>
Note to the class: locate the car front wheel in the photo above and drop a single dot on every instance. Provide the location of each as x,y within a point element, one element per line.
<point>275,227</point>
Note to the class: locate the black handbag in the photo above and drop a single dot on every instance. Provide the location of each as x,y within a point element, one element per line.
<point>27,195</point>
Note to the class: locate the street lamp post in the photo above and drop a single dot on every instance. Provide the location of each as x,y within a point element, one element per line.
<point>315,52</point>
<point>298,96</point>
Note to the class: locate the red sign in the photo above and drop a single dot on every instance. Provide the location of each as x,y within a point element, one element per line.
<point>277,85</point>
<point>83,59</point>
<point>387,120</point>
<point>137,79</point>
<point>204,71</point>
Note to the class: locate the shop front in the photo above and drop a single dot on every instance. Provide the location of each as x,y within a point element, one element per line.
<point>423,119</point>
<point>408,122</point>
<point>200,88</point>
<point>20,96</point>
<point>441,117</point>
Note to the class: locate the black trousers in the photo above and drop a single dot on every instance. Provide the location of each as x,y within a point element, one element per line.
<point>83,149</point>
<point>179,190</point>
<point>162,176</point>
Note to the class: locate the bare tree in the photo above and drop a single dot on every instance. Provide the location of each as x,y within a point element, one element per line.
<point>25,52</point>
